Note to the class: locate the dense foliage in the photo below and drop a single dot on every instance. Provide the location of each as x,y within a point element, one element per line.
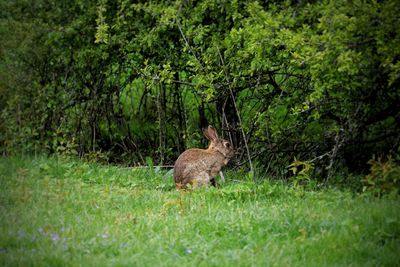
<point>313,84</point>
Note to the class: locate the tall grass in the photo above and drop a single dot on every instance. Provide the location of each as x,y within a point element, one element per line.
<point>57,212</point>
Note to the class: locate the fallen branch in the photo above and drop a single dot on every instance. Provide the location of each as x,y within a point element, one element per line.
<point>146,167</point>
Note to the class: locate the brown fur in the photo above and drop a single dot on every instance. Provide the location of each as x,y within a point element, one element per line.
<point>199,167</point>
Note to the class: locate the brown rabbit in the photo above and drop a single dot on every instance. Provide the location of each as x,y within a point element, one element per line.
<point>199,167</point>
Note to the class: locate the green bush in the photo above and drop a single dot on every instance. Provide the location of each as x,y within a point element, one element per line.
<point>138,80</point>
<point>384,177</point>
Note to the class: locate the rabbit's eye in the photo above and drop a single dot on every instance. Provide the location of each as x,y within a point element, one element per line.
<point>227,145</point>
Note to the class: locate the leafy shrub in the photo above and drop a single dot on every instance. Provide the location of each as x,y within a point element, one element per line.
<point>384,177</point>
<point>140,80</point>
<point>302,171</point>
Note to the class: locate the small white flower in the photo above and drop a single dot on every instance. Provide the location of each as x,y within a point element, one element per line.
<point>105,235</point>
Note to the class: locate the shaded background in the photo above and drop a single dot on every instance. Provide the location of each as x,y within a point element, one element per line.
<point>315,83</point>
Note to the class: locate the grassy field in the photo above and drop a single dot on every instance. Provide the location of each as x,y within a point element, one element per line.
<point>57,212</point>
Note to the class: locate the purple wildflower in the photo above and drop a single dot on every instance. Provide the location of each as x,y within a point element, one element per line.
<point>55,237</point>
<point>21,233</point>
<point>40,230</point>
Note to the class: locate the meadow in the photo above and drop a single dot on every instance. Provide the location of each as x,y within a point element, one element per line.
<point>63,212</point>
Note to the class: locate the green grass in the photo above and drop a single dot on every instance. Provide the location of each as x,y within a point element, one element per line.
<point>57,212</point>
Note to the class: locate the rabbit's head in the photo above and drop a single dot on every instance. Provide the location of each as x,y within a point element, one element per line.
<point>218,145</point>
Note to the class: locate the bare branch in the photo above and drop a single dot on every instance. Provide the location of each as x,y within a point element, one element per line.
<point>187,43</point>
<point>238,114</point>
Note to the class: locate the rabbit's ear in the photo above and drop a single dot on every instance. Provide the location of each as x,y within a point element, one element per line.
<point>211,134</point>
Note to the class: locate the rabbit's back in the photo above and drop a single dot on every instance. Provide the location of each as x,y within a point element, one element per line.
<point>196,166</point>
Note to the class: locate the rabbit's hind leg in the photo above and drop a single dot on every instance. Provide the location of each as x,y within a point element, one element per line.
<point>202,179</point>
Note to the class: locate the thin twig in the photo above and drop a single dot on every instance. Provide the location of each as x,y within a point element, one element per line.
<point>227,125</point>
<point>187,43</point>
<point>338,144</point>
<point>320,157</point>
<point>183,82</point>
<point>238,114</point>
